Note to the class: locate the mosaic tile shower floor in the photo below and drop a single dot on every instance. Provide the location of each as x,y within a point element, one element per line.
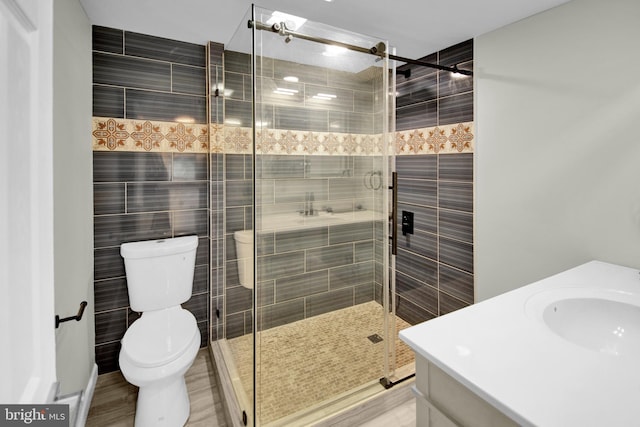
<point>313,360</point>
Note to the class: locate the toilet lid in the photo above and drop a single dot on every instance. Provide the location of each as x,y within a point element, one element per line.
<point>158,338</point>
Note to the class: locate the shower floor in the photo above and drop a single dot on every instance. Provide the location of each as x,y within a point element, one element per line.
<point>314,360</point>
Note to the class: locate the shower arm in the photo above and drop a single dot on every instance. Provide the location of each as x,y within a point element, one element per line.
<point>378,50</point>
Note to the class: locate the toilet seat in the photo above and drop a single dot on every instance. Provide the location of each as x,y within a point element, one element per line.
<point>159,337</point>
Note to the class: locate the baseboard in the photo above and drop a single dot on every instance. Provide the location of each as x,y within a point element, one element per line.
<point>87,396</point>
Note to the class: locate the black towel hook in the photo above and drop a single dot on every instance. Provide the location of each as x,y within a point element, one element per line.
<point>77,317</point>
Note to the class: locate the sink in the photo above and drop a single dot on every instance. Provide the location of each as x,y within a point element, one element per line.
<point>604,321</point>
<point>607,326</point>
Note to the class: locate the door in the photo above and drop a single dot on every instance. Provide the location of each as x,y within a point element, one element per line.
<point>27,360</point>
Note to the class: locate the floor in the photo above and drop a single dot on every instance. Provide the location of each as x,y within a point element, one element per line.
<point>312,361</point>
<point>114,399</point>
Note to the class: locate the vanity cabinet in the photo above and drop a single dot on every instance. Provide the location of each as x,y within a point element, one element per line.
<point>441,401</point>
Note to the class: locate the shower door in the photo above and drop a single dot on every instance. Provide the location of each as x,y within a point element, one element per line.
<point>323,331</point>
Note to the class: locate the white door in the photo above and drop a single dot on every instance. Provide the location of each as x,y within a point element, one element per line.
<point>27,353</point>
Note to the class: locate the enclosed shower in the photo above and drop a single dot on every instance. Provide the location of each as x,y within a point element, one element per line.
<point>303,319</point>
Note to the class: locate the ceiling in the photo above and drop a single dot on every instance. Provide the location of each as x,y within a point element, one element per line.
<point>415,27</point>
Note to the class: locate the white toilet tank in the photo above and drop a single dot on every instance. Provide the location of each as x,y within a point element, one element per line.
<point>159,272</point>
<point>244,252</point>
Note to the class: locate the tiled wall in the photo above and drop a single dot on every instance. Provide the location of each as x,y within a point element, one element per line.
<point>303,272</point>
<point>435,265</point>
<point>146,195</point>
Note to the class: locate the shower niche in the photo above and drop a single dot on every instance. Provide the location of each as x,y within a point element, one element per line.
<point>301,139</point>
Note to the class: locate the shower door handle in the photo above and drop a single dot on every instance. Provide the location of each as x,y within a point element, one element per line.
<point>394,213</point>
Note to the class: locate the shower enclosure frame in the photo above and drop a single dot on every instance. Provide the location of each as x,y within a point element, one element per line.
<point>387,214</point>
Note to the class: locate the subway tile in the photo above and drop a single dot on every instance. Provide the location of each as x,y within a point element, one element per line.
<point>417,192</point>
<point>364,251</point>
<point>234,87</point>
<point>234,219</point>
<point>273,166</point>
<point>198,305</point>
<point>280,314</point>
<point>108,198</point>
<point>350,122</point>
<point>424,218</point>
<point>350,232</point>
<point>231,278</point>
<point>417,167</point>
<point>416,116</point>
<point>453,84</point>
<point>237,62</point>
<point>305,73</point>
<point>239,193</point>
<point>364,102</point>
<point>421,243</point>
<point>216,53</point>
<point>345,188</point>
<point>148,105</point>
<point>107,39</point>
<point>296,118</point>
<point>327,166</point>
<point>351,275</point>
<point>186,79</point>
<point>113,230</point>
<point>418,292</point>
<point>280,265</point>
<point>364,293</point>
<point>455,109</point>
<point>189,167</point>
<point>288,191</point>
<point>162,49</point>
<point>266,293</point>
<point>203,253</point>
<point>418,267</point>
<point>204,333</point>
<point>303,285</point>
<point>328,301</point>
<point>330,256</point>
<point>412,313</point>
<point>129,166</point>
<point>449,304</point>
<point>456,167</point>
<point>107,357</point>
<point>286,241</point>
<point>107,263</point>
<point>131,72</point>
<point>108,101</point>
<point>234,166</point>
<point>201,280</point>
<point>234,325</point>
<point>237,113</point>
<point>342,98</point>
<point>457,254</point>
<point>363,81</point>
<point>419,71</point>
<point>456,283</point>
<point>416,90</point>
<point>110,325</point>
<point>455,195</point>
<point>216,164</point>
<point>110,294</point>
<point>191,222</point>
<point>217,224</point>
<point>456,225</point>
<point>271,92</point>
<point>161,196</point>
<point>456,54</point>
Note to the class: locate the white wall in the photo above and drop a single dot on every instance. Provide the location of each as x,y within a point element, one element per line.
<point>73,193</point>
<point>558,151</point>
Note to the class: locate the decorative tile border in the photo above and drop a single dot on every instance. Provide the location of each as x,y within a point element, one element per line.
<point>111,134</point>
<point>449,139</point>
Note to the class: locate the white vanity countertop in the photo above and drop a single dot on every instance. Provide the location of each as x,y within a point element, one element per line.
<point>503,351</point>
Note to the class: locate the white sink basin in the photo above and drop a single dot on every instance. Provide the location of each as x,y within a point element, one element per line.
<point>603,321</point>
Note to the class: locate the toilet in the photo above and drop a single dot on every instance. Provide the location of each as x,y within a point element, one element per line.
<point>244,252</point>
<point>159,347</point>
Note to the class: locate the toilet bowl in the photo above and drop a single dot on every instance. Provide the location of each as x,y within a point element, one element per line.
<point>159,347</point>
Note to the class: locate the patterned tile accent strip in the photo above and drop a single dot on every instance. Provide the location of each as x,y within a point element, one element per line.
<point>111,134</point>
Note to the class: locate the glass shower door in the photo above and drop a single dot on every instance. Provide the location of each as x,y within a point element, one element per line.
<point>323,335</point>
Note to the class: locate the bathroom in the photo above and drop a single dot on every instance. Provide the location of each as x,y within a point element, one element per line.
<point>554,170</point>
